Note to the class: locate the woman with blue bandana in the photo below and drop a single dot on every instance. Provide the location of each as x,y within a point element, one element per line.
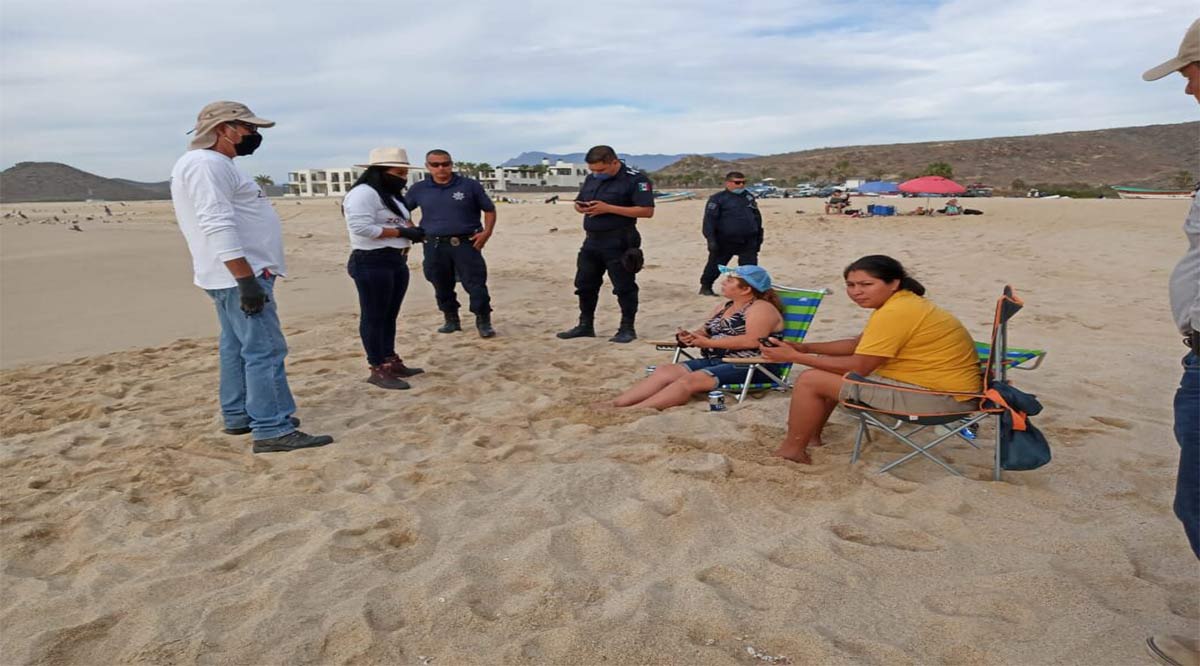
<point>752,311</point>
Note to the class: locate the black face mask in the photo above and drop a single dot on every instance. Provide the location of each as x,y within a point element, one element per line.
<point>394,184</point>
<point>248,144</point>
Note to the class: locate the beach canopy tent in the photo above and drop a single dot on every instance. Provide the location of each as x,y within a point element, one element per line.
<point>879,187</point>
<point>931,186</point>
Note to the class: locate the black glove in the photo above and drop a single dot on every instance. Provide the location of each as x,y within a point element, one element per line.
<point>712,246</point>
<point>254,297</point>
<point>414,234</point>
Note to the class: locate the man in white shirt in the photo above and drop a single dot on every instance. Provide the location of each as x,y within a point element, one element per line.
<point>1184,291</point>
<point>236,243</point>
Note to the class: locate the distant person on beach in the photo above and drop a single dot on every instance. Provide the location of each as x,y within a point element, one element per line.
<point>732,227</point>
<point>236,242</point>
<point>381,236</point>
<point>451,207</point>
<point>837,203</point>
<point>752,311</point>
<point>1185,308</point>
<point>612,198</point>
<point>951,208</point>
<point>908,342</point>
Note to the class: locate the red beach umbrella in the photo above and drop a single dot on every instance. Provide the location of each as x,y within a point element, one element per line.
<point>931,185</point>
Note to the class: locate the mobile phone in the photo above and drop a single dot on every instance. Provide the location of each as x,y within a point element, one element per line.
<point>767,342</point>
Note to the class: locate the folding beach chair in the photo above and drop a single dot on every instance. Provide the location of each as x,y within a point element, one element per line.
<point>995,358</point>
<point>799,308</point>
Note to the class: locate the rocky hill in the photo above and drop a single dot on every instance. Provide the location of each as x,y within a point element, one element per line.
<point>1154,156</point>
<point>647,162</point>
<point>52,181</point>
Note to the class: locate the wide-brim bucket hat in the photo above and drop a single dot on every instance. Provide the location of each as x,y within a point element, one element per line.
<point>216,113</point>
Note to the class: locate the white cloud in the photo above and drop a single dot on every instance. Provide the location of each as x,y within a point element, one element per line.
<point>112,88</point>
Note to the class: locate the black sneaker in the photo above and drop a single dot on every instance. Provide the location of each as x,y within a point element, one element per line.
<point>246,430</point>
<point>291,442</point>
<point>580,331</point>
<point>707,291</point>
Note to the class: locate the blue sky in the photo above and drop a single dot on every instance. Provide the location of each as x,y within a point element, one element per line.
<point>112,87</point>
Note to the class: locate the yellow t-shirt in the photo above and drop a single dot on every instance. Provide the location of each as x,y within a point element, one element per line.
<point>923,344</point>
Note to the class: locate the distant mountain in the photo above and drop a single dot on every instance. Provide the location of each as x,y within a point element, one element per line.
<point>52,181</point>
<point>1153,155</point>
<point>650,162</point>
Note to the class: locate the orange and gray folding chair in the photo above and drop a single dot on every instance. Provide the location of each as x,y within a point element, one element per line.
<point>960,424</point>
<point>799,309</point>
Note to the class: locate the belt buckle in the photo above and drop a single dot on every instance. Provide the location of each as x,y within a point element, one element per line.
<point>454,241</point>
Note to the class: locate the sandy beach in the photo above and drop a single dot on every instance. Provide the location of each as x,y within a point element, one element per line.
<point>489,515</point>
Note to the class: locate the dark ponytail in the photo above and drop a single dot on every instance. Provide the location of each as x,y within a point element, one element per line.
<point>883,267</point>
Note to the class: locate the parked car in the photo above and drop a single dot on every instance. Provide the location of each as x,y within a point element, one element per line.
<point>978,190</point>
<point>802,190</point>
<point>827,191</point>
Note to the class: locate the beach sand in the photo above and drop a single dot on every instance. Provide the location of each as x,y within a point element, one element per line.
<point>490,515</point>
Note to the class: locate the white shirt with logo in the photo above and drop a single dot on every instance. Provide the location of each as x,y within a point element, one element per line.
<point>367,217</point>
<point>224,215</point>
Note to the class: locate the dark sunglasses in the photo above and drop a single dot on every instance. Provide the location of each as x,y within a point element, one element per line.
<point>738,182</point>
<point>438,165</point>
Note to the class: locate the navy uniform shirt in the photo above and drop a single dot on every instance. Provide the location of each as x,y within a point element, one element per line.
<point>452,209</point>
<point>729,215</point>
<point>629,187</point>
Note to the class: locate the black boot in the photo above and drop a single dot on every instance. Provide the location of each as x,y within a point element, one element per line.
<point>452,323</point>
<point>706,290</point>
<point>625,332</point>
<point>585,329</point>
<point>483,324</point>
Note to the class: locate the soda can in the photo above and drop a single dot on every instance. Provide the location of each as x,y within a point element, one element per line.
<point>716,401</point>
<point>650,369</point>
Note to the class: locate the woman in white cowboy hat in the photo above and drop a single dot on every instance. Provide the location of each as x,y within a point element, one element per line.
<point>381,233</point>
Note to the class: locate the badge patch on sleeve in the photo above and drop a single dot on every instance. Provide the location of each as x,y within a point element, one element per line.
<point>643,187</point>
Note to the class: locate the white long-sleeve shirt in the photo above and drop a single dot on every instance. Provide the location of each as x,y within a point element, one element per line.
<point>224,215</point>
<point>1185,279</point>
<point>367,217</point>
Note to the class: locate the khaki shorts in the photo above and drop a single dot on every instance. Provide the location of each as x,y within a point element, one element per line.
<point>904,402</point>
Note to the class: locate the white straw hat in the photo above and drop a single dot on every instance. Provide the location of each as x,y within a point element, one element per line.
<point>387,157</point>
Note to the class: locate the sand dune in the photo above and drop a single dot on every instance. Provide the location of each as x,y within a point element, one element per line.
<point>490,515</point>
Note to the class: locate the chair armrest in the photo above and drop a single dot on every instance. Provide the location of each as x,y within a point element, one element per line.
<point>663,343</point>
<point>747,361</point>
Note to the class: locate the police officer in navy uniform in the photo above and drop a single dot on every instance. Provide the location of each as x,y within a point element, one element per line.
<point>611,199</point>
<point>450,208</point>
<point>732,226</point>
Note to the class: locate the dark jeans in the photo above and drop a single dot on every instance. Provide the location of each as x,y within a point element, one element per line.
<point>746,250</point>
<point>602,252</point>
<point>1187,433</point>
<point>446,263</point>
<point>381,277</point>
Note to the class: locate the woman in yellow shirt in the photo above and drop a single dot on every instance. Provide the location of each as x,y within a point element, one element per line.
<point>908,341</point>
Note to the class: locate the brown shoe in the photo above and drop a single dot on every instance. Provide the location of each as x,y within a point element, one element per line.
<point>396,367</point>
<point>384,379</point>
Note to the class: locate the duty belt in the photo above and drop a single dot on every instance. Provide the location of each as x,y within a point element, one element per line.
<point>453,241</point>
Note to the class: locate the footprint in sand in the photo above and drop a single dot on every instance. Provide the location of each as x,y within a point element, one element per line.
<point>1113,422</point>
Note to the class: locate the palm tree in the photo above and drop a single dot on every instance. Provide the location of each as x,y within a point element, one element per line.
<point>264,180</point>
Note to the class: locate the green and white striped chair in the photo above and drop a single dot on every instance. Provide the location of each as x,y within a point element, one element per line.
<point>799,309</point>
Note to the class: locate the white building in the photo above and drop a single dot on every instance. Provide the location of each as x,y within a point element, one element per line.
<point>544,177</point>
<point>334,182</point>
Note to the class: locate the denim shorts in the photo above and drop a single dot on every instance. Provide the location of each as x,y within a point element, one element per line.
<point>729,373</point>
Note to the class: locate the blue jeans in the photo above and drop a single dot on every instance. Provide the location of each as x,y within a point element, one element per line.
<point>1187,433</point>
<point>254,390</point>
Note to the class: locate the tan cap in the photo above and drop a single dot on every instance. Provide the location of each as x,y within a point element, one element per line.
<point>222,112</point>
<point>1189,52</point>
<point>387,157</point>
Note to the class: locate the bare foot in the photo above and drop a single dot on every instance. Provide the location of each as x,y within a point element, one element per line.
<point>795,455</point>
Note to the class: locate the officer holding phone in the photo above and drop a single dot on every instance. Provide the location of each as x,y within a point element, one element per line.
<point>611,199</point>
